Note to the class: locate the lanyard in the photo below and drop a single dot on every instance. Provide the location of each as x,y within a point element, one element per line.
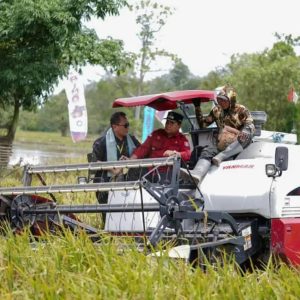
<point>120,148</point>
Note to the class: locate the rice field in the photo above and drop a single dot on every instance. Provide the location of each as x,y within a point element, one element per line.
<point>65,266</point>
<point>69,267</point>
<point>52,138</point>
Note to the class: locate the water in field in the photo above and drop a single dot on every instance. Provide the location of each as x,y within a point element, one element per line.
<point>42,154</point>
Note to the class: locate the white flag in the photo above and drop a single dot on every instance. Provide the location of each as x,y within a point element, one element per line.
<point>295,98</point>
<point>292,96</point>
<point>77,107</point>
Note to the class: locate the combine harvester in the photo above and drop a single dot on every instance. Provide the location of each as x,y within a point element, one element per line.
<point>249,205</point>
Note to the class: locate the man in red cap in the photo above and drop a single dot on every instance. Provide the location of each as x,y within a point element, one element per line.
<point>166,141</point>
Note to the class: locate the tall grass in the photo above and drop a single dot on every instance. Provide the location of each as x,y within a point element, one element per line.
<point>69,267</point>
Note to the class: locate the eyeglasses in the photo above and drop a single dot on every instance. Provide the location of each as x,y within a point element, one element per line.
<point>126,125</point>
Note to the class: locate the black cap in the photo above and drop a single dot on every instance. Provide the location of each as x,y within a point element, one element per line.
<point>174,116</point>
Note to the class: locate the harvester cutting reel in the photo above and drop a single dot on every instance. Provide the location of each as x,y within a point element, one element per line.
<point>182,217</point>
<point>40,215</point>
<point>206,233</point>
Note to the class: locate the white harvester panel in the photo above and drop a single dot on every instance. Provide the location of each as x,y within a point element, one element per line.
<point>239,186</point>
<point>130,221</point>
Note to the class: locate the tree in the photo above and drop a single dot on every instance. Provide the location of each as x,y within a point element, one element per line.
<point>182,77</point>
<point>151,17</point>
<point>99,104</point>
<point>40,40</point>
<point>263,81</point>
<point>99,98</point>
<point>213,79</point>
<point>178,78</point>
<point>57,108</point>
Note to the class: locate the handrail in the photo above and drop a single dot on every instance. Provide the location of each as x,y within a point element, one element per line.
<point>134,163</point>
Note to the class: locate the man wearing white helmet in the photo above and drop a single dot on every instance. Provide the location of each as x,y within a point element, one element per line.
<point>236,130</point>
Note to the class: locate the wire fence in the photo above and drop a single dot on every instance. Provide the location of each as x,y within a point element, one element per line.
<point>5,154</point>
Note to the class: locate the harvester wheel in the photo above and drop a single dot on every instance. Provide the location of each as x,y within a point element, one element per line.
<point>38,223</point>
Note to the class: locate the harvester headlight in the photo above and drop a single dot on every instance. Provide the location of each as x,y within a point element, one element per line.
<point>271,170</point>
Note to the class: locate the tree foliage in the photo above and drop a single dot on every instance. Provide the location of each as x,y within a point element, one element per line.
<point>151,17</point>
<point>52,117</point>
<point>99,98</point>
<point>40,39</point>
<point>263,81</point>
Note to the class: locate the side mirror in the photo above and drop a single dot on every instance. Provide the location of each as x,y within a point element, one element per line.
<point>281,162</point>
<point>282,158</point>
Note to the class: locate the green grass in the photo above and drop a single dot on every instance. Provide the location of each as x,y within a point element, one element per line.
<point>53,138</point>
<point>65,266</point>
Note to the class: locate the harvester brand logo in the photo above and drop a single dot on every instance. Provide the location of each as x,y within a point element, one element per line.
<point>246,166</point>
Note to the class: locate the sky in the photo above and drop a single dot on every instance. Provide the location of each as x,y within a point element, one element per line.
<point>205,33</point>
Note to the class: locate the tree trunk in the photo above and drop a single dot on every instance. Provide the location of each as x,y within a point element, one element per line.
<point>64,131</point>
<point>7,140</point>
<point>14,122</point>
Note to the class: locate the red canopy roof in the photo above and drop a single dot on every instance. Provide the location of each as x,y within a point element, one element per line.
<point>166,101</point>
